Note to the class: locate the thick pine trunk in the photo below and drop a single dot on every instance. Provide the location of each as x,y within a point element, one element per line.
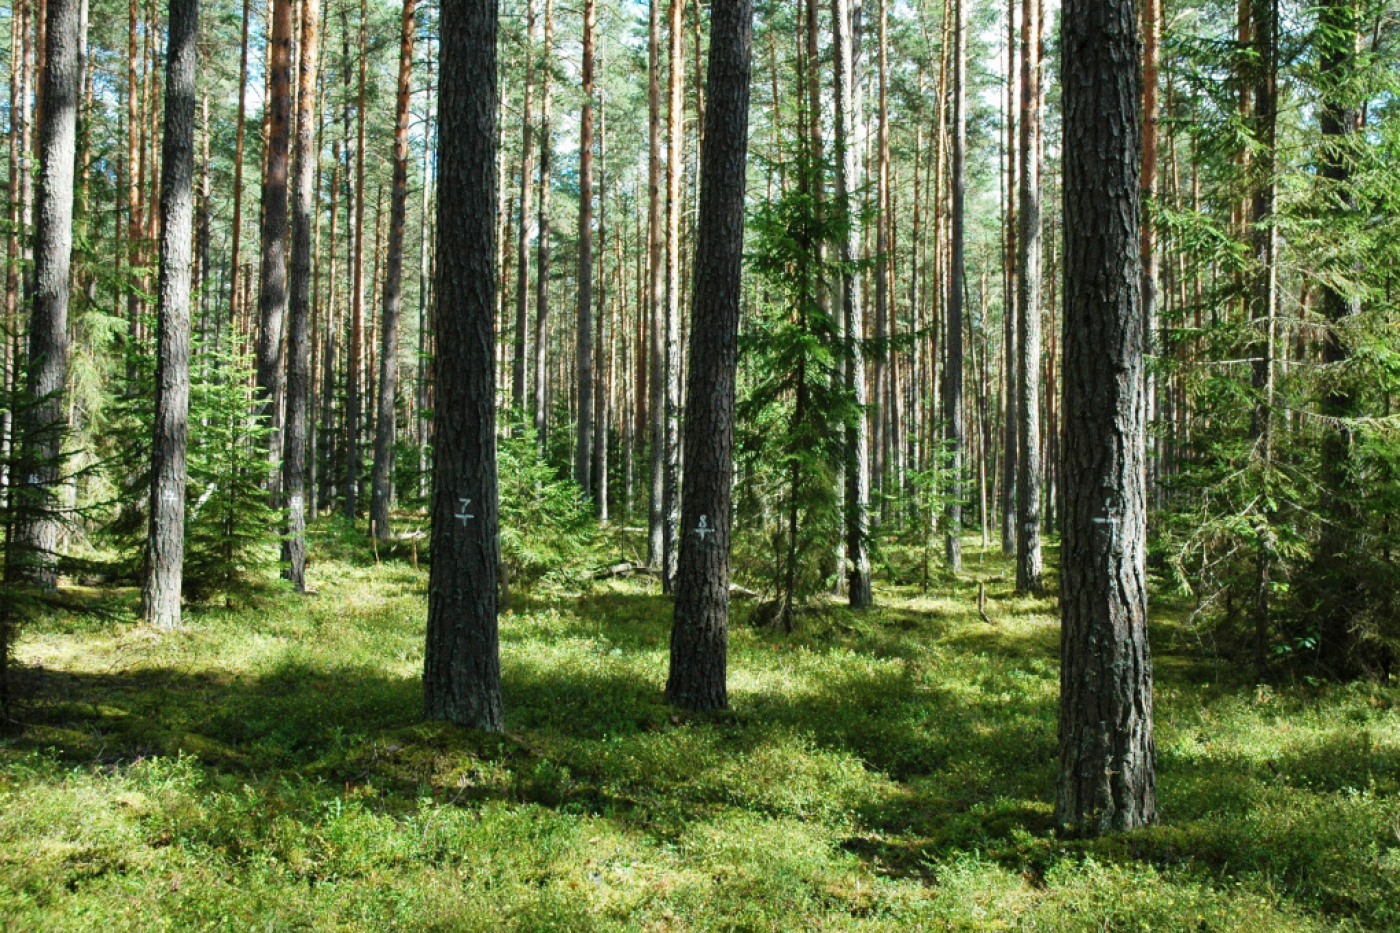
<point>700,629</point>
<point>299,372</point>
<point>461,666</point>
<point>385,422</point>
<point>1029,568</point>
<point>44,418</point>
<point>272,283</point>
<point>1106,762</point>
<point>165,545</point>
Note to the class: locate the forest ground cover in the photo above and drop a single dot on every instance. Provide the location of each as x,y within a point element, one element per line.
<point>266,768</point>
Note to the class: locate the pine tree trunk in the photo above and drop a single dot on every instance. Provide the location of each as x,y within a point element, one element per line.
<point>522,249</point>
<point>299,371</point>
<point>165,545</point>
<point>43,416</point>
<point>385,422</point>
<point>1010,356</point>
<point>883,355</point>
<point>354,401</point>
<point>602,412</point>
<point>671,481</point>
<point>272,283</point>
<point>656,297</point>
<point>583,434</point>
<point>236,235</point>
<point>700,630</point>
<point>957,291</point>
<point>846,49</point>
<point>1029,568</point>
<point>541,400</point>
<point>1262,297</point>
<point>1106,763</point>
<point>461,666</point>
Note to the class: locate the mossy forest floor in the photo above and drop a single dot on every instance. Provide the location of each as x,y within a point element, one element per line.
<point>267,769</point>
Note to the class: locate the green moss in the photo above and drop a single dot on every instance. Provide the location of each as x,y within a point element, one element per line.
<point>887,771</point>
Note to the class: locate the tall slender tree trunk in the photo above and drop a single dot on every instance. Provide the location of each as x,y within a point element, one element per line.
<point>236,236</point>
<point>846,49</point>
<point>165,545</point>
<point>583,435</point>
<point>272,283</point>
<point>541,400</point>
<point>522,250</point>
<point>1106,762</point>
<point>386,418</point>
<point>1029,568</point>
<point>671,486</point>
<point>957,291</point>
<point>602,412</point>
<point>700,629</point>
<point>1263,301</point>
<point>1151,11</point>
<point>353,396</point>
<point>43,415</point>
<point>299,325</point>
<point>880,420</point>
<point>1010,355</point>
<point>461,665</point>
<point>656,297</point>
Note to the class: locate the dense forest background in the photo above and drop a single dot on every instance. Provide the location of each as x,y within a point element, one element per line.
<point>1269,166</point>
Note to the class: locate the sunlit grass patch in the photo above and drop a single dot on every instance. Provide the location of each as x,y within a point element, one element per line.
<point>890,770</point>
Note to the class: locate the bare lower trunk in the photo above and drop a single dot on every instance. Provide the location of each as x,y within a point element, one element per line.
<point>700,630</point>
<point>461,665</point>
<point>1106,761</point>
<point>299,374</point>
<point>385,422</point>
<point>165,545</point>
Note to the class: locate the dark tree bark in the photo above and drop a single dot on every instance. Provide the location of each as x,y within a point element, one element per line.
<point>299,373</point>
<point>165,545</point>
<point>44,417</point>
<point>700,630</point>
<point>541,401</point>
<point>583,436</point>
<point>857,471</point>
<point>1106,762</point>
<point>1342,592</point>
<point>461,666</point>
<point>272,284</point>
<point>1029,568</point>
<point>957,292</point>
<point>385,421</point>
